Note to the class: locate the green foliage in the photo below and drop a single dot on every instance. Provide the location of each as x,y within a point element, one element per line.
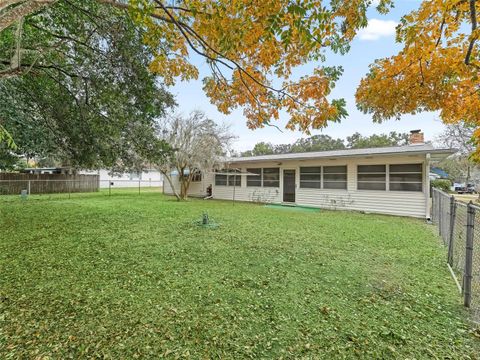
<point>130,276</point>
<point>6,139</point>
<point>89,99</point>
<point>261,148</point>
<point>358,141</point>
<point>317,143</point>
<point>442,184</point>
<point>325,142</point>
<point>457,167</point>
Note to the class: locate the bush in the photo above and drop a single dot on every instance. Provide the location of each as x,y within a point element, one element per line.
<point>442,184</point>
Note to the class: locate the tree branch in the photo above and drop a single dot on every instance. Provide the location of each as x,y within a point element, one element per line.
<point>12,15</point>
<point>473,19</point>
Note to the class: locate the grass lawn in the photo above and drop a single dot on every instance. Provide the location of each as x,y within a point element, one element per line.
<point>132,276</point>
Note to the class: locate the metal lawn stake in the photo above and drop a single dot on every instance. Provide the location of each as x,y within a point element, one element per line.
<point>467,280</point>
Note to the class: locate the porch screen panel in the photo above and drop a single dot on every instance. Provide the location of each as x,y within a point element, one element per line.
<point>406,177</point>
<point>311,177</point>
<point>220,179</point>
<point>372,177</point>
<point>335,177</point>
<point>234,180</point>
<point>254,180</point>
<point>271,177</point>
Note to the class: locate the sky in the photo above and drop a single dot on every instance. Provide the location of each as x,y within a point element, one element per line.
<point>375,41</point>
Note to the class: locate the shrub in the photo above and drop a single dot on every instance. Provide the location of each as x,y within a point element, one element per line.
<point>442,184</point>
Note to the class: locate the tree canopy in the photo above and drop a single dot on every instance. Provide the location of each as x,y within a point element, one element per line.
<point>436,70</point>
<point>324,142</point>
<point>251,49</point>
<point>87,98</point>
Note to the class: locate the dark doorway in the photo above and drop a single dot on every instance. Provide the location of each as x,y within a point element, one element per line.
<point>289,186</point>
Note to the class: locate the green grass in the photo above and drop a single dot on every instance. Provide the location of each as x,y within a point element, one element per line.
<point>133,276</point>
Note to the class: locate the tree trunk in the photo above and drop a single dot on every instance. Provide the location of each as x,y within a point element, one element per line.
<point>169,179</point>
<point>184,186</point>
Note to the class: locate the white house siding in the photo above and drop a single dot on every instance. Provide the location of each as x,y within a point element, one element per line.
<point>196,189</point>
<point>404,203</point>
<point>148,178</point>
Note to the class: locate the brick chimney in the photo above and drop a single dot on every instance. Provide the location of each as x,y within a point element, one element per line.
<point>416,137</point>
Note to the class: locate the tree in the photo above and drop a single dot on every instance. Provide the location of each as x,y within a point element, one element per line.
<point>317,143</point>
<point>459,136</point>
<point>88,99</point>
<point>261,148</point>
<point>358,141</point>
<point>251,49</point>
<point>325,143</point>
<point>199,144</point>
<point>436,70</point>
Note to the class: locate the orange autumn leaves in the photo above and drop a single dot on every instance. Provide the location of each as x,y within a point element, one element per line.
<point>251,48</point>
<point>430,73</point>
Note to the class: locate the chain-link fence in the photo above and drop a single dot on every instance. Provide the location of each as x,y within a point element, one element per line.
<point>67,188</point>
<point>459,227</point>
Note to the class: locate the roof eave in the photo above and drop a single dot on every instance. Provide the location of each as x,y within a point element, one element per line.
<point>445,152</point>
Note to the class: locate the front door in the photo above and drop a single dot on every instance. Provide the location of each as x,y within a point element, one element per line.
<point>289,186</point>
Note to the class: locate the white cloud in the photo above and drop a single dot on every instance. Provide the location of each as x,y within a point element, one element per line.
<point>377,29</point>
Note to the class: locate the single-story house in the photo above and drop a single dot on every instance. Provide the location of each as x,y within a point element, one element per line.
<point>386,180</point>
<point>147,178</point>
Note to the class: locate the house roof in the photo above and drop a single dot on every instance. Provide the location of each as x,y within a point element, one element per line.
<point>415,149</point>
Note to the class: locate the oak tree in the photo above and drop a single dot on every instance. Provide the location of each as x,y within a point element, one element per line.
<point>437,69</point>
<point>85,96</point>
<point>251,48</point>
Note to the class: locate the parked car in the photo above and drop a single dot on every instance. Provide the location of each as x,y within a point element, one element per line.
<point>465,189</point>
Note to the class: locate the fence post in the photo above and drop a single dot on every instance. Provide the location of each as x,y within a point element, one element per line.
<point>439,214</point>
<point>453,214</point>
<point>29,187</point>
<point>467,277</point>
<point>138,186</point>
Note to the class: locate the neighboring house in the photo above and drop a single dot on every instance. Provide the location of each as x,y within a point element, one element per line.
<point>149,177</point>
<point>389,180</point>
<point>49,170</point>
<point>440,174</point>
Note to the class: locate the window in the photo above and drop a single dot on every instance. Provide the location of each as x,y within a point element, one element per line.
<point>371,177</point>
<point>234,180</point>
<point>220,179</point>
<point>196,176</point>
<point>224,179</point>
<point>311,177</point>
<point>335,177</point>
<point>271,177</point>
<point>405,177</point>
<point>401,177</point>
<point>254,180</point>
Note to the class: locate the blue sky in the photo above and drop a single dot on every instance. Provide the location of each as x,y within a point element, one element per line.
<point>376,41</point>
